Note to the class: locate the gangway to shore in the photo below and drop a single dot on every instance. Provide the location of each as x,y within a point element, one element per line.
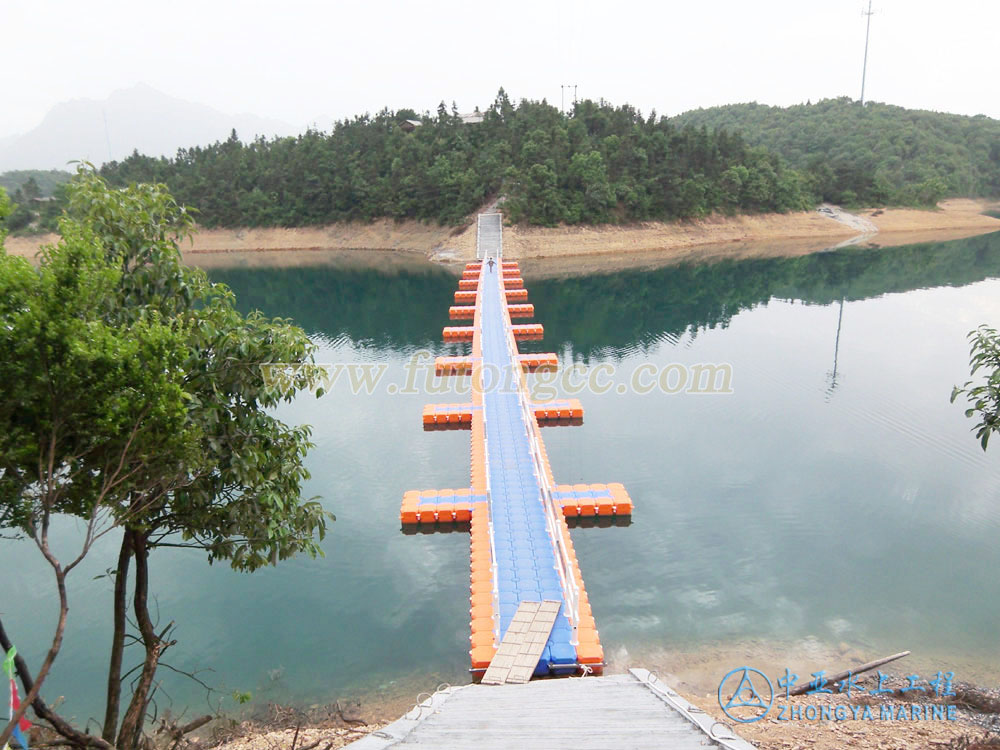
<point>521,550</point>
<point>636,710</point>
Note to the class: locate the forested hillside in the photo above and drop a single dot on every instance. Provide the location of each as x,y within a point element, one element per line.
<point>45,181</point>
<point>39,196</point>
<point>872,155</point>
<point>597,164</point>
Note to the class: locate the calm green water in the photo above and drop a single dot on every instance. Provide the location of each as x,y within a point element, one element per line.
<point>851,507</point>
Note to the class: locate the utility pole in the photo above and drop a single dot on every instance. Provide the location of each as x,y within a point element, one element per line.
<point>864,68</point>
<point>562,89</point>
<point>107,133</point>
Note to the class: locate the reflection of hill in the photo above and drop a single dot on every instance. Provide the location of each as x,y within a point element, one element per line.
<point>615,311</point>
<point>372,308</point>
<point>623,310</point>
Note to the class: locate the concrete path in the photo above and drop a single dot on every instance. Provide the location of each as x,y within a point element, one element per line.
<point>633,710</point>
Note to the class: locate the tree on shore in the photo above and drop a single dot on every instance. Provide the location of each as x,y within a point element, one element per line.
<point>202,463</point>
<point>983,396</point>
<point>86,405</point>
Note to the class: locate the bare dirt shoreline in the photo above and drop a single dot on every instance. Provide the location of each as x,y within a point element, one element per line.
<point>695,673</point>
<point>564,249</point>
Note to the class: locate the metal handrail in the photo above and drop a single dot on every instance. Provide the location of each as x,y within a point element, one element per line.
<point>493,544</point>
<point>479,229</point>
<point>564,564</point>
<point>486,470</point>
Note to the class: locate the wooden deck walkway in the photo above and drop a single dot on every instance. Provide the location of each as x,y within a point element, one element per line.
<point>632,710</point>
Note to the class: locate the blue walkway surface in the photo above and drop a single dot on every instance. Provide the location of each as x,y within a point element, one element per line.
<point>525,558</point>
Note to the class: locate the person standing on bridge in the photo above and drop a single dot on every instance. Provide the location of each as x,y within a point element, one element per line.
<point>490,263</point>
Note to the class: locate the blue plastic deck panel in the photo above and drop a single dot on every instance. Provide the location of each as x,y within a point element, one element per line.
<point>525,560</point>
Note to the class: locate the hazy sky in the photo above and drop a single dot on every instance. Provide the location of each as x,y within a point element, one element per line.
<point>305,62</point>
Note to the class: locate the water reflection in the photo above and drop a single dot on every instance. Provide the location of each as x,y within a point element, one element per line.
<point>776,512</point>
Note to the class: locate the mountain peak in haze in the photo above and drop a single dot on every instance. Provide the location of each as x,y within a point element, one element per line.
<point>136,118</point>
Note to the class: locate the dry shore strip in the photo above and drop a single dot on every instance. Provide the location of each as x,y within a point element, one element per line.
<point>387,244</point>
<point>695,674</point>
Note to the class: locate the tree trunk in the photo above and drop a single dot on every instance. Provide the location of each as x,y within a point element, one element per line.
<point>50,657</point>
<point>131,728</point>
<point>114,694</point>
<point>42,711</point>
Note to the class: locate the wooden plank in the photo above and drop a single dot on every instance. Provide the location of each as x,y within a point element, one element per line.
<point>626,710</point>
<point>523,643</point>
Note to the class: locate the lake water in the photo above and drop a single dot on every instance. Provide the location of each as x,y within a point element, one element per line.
<point>834,495</point>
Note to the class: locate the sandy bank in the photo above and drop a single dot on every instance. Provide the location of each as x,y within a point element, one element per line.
<point>953,214</point>
<point>695,673</point>
<point>387,243</point>
<point>211,247</point>
<point>675,237</point>
<point>764,235</point>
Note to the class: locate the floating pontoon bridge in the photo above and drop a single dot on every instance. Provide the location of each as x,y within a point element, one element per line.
<point>521,551</point>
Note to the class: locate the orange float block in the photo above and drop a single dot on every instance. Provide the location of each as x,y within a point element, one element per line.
<point>513,282</point>
<point>481,656</point>
<point>623,503</point>
<point>593,499</point>
<point>468,283</point>
<point>458,333</point>
<point>462,312</point>
<point>448,414</point>
<point>438,506</point>
<point>512,294</point>
<point>453,365</point>
<point>533,362</point>
<point>528,331</point>
<point>592,655</point>
<point>569,408</point>
<point>464,297</point>
<point>521,311</point>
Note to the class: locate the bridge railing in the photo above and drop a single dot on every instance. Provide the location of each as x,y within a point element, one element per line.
<point>553,513</point>
<point>477,375</point>
<point>495,591</point>
<point>564,563</point>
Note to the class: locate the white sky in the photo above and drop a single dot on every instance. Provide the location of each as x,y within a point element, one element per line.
<point>305,62</point>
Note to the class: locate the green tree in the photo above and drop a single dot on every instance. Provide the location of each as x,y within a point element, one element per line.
<point>6,209</point>
<point>30,190</point>
<point>983,396</point>
<point>87,408</point>
<point>232,486</point>
<point>590,190</point>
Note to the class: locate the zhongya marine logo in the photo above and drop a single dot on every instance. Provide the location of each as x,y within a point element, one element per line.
<point>746,695</point>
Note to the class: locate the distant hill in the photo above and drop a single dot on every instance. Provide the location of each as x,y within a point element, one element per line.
<point>138,118</point>
<point>47,180</point>
<point>870,155</point>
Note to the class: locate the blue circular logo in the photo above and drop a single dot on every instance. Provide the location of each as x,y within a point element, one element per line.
<point>747,703</point>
